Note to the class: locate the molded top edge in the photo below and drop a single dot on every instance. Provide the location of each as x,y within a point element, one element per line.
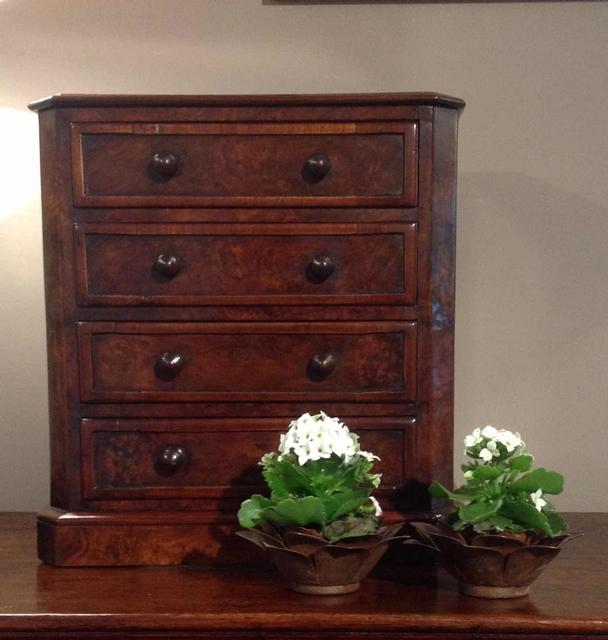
<point>134,100</point>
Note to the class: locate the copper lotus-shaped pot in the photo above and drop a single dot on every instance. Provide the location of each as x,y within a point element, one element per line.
<point>310,564</point>
<point>490,566</point>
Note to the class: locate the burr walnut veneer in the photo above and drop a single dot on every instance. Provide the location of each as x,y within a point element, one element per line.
<point>216,266</point>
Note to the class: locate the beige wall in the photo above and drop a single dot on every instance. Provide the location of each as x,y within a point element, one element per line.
<point>532,335</point>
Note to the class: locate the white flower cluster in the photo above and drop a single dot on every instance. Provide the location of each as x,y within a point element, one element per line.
<point>319,436</point>
<point>493,437</point>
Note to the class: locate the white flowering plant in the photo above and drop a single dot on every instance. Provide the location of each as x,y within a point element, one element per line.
<point>319,478</point>
<point>502,492</point>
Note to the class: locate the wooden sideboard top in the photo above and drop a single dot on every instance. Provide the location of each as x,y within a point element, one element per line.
<point>570,598</point>
<point>134,100</point>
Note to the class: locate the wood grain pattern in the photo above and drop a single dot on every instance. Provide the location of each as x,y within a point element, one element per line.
<point>232,165</point>
<point>396,602</point>
<point>373,361</point>
<point>437,299</point>
<point>235,264</point>
<point>120,456</point>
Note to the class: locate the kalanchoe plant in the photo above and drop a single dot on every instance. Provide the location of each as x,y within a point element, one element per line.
<point>319,479</point>
<point>503,493</point>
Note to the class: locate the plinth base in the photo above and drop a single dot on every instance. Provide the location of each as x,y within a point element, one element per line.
<point>76,539</point>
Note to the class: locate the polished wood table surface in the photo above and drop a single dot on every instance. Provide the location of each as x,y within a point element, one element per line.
<point>38,601</point>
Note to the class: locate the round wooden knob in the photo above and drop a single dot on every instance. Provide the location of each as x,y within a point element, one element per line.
<point>316,167</point>
<point>164,165</point>
<point>166,265</point>
<point>168,365</point>
<point>169,460</point>
<point>320,366</point>
<point>319,269</point>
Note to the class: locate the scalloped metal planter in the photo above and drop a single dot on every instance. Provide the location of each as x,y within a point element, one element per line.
<point>490,566</point>
<point>311,565</point>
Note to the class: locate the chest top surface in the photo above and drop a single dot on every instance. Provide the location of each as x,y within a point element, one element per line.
<point>129,100</point>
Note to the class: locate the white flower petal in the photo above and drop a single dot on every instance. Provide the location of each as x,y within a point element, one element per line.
<point>538,501</point>
<point>489,432</point>
<point>473,438</point>
<point>486,455</point>
<point>377,508</point>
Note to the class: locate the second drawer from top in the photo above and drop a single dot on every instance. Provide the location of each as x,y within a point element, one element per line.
<point>201,264</point>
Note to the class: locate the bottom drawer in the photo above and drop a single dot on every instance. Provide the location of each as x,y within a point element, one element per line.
<point>140,459</point>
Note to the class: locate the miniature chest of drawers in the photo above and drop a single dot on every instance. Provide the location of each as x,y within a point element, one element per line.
<point>216,266</point>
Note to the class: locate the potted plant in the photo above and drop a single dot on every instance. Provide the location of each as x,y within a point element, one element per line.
<point>320,526</point>
<point>503,530</point>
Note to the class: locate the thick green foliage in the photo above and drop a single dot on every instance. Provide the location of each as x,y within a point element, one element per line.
<point>498,497</point>
<point>328,494</point>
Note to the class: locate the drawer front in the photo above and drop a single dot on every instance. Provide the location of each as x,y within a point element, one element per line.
<point>359,361</point>
<point>149,458</point>
<point>202,264</point>
<point>138,164</point>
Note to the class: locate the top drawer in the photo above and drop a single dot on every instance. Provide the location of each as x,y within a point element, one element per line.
<point>181,164</point>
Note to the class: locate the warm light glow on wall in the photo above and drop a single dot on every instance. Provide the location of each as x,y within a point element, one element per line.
<point>19,161</point>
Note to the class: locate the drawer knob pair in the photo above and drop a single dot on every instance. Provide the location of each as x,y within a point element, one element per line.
<point>169,460</point>
<point>167,266</point>
<point>169,364</point>
<point>163,166</point>
<point>316,167</point>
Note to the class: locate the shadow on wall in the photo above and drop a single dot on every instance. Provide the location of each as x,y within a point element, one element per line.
<point>531,324</point>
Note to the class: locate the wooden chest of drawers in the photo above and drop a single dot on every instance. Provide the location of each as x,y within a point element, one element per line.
<point>216,266</point>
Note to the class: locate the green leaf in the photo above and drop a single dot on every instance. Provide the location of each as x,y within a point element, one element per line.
<point>479,511</point>
<point>549,481</point>
<point>526,516</point>
<point>521,463</point>
<point>302,511</point>
<point>501,523</point>
<point>328,475</point>
<point>557,522</point>
<point>344,502</point>
<point>437,490</point>
<point>362,472</point>
<point>459,524</point>
<point>350,527</point>
<point>251,512</point>
<point>488,472</point>
<point>286,477</point>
